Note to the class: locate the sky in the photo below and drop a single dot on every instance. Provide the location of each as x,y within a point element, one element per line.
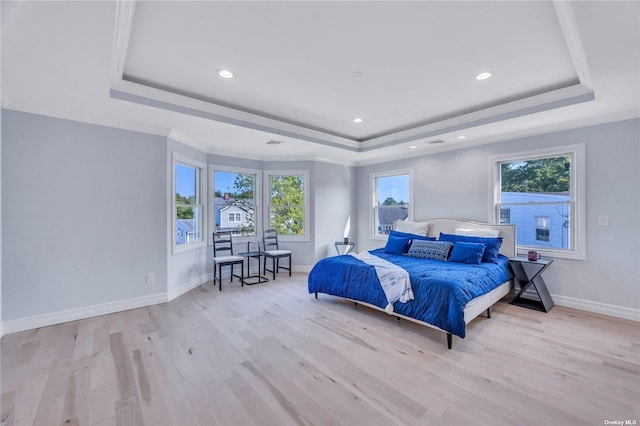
<point>396,187</point>
<point>185,180</point>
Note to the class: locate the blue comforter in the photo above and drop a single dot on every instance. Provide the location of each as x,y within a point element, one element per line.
<point>441,289</point>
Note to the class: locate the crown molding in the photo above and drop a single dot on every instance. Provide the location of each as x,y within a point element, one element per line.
<point>125,10</point>
<point>571,32</point>
<point>570,95</point>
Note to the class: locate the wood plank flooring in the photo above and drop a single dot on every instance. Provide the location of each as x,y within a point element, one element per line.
<point>271,354</point>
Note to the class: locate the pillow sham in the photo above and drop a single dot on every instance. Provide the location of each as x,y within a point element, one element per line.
<point>437,250</point>
<point>479,232</point>
<point>411,227</point>
<point>470,253</point>
<point>396,245</point>
<point>492,245</point>
<point>411,236</point>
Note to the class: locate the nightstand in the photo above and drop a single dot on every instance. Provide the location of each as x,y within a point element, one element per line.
<point>346,247</point>
<point>528,273</point>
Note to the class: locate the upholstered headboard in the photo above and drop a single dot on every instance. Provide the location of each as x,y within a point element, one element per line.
<point>449,225</point>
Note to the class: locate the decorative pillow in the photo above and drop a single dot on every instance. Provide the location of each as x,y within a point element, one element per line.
<point>411,227</point>
<point>467,253</point>
<point>438,250</point>
<point>411,236</point>
<point>397,245</point>
<point>479,232</point>
<point>492,245</point>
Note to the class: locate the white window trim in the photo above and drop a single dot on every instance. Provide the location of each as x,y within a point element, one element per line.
<point>202,189</point>
<point>578,174</point>
<point>257,194</point>
<point>306,236</point>
<point>373,190</point>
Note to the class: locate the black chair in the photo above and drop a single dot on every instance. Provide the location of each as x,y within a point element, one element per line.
<point>223,242</point>
<point>272,251</point>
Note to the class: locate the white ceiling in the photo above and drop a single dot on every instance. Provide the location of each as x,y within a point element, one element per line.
<point>303,71</point>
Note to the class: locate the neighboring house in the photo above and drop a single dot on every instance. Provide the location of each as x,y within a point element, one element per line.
<point>541,220</point>
<point>185,231</point>
<point>233,215</point>
<point>389,214</point>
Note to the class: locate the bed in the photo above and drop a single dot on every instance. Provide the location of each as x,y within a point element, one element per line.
<point>446,295</point>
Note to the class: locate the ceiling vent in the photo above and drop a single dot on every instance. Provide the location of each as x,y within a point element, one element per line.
<point>274,142</point>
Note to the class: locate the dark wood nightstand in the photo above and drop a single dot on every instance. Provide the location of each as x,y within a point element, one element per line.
<point>528,273</point>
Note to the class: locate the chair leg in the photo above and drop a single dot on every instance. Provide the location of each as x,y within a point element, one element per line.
<point>231,273</point>
<point>242,273</point>
<point>220,277</point>
<point>289,265</point>
<point>274,265</point>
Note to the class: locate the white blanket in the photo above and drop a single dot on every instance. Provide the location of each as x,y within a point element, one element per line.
<point>394,280</point>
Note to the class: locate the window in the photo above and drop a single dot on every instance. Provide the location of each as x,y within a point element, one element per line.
<point>542,194</point>
<point>542,228</point>
<point>188,223</point>
<point>287,212</point>
<point>505,216</point>
<point>234,200</point>
<point>391,200</point>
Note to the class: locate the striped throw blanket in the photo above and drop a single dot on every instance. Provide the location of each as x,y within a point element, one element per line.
<point>394,280</point>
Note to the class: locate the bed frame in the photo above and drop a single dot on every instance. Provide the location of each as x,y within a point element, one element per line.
<point>481,303</point>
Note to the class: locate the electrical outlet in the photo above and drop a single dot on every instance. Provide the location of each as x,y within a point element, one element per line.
<point>151,279</point>
<point>603,220</point>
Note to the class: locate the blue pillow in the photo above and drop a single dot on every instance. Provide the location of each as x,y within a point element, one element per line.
<point>396,245</point>
<point>437,250</point>
<point>493,244</point>
<point>411,236</point>
<point>467,253</point>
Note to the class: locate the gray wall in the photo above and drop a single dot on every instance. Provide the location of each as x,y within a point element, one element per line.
<point>84,214</point>
<point>456,183</point>
<point>335,204</point>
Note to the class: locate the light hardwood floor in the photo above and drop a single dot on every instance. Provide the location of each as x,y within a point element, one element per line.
<point>271,354</point>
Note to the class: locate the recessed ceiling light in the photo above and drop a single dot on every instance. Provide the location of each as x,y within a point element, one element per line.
<point>358,120</point>
<point>461,137</point>
<point>413,147</point>
<point>483,76</point>
<point>225,74</point>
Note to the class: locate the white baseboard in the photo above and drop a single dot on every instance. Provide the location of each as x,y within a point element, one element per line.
<point>67,315</point>
<point>590,306</point>
<point>60,317</point>
<point>188,286</point>
<point>597,307</point>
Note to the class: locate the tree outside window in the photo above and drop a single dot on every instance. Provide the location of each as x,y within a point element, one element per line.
<point>287,204</point>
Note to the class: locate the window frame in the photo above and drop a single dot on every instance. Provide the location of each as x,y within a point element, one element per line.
<point>201,196</point>
<point>577,202</point>
<point>257,197</point>
<point>306,236</point>
<point>373,189</point>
